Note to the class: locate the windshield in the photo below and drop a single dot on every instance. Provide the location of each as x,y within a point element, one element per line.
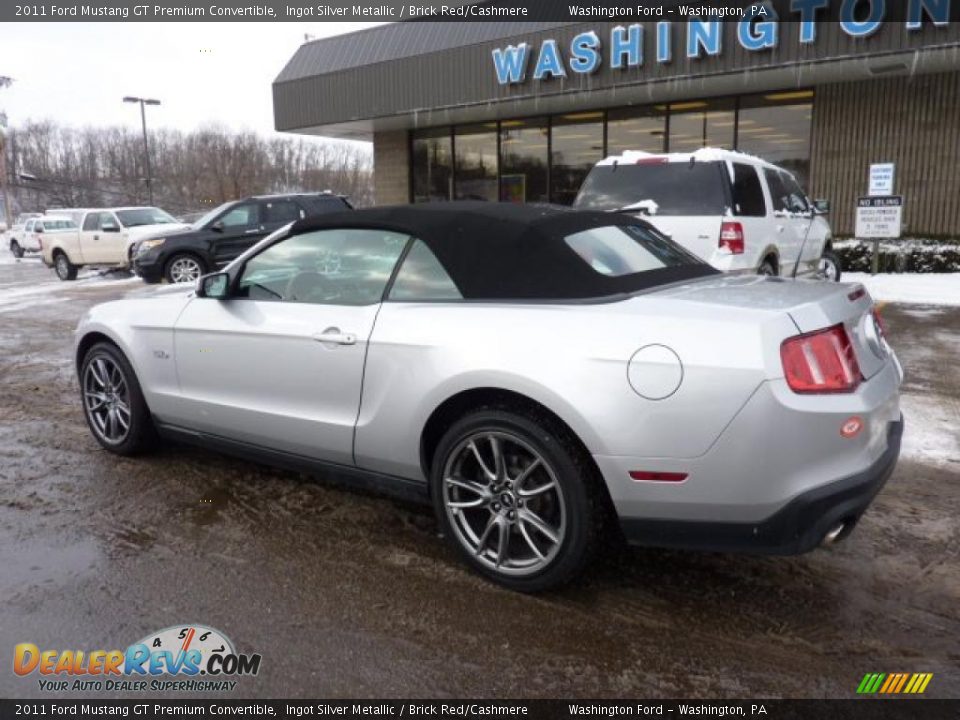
<point>663,188</point>
<point>144,216</point>
<point>203,221</point>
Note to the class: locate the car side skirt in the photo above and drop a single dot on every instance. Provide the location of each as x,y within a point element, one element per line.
<point>341,475</point>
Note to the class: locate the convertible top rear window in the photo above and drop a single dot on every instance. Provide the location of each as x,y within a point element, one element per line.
<point>502,251</point>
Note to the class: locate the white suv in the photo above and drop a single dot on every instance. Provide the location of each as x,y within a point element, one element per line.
<point>738,212</point>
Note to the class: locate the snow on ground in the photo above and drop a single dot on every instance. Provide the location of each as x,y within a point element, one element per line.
<point>18,296</point>
<point>921,288</point>
<point>930,435</point>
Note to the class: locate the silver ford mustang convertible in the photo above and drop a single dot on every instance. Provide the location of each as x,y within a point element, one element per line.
<point>541,375</point>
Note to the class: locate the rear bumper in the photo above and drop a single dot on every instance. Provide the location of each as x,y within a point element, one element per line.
<point>798,527</point>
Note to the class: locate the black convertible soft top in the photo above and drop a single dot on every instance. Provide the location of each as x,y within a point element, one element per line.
<point>507,251</point>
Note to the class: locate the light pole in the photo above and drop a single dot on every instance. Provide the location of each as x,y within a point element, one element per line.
<point>146,147</point>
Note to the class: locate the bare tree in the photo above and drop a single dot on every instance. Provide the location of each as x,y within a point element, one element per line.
<point>53,165</point>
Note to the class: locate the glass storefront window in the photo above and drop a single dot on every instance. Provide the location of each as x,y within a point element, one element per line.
<point>543,160</point>
<point>432,165</point>
<point>475,147</point>
<point>576,145</point>
<point>702,123</point>
<point>636,129</point>
<point>777,127</point>
<point>523,160</point>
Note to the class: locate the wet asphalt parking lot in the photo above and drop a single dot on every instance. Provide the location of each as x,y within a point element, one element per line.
<point>351,595</point>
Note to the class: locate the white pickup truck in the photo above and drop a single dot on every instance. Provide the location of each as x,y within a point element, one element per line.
<point>105,237</point>
<point>16,236</point>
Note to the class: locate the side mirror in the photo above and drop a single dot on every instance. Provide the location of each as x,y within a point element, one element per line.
<point>110,228</point>
<point>821,207</point>
<point>38,230</point>
<point>214,285</point>
<point>217,226</point>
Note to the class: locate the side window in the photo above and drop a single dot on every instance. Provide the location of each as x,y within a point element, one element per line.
<point>326,267</point>
<point>91,221</point>
<point>778,193</point>
<point>280,212</point>
<point>29,226</point>
<point>422,277</point>
<point>108,220</point>
<point>747,192</point>
<point>38,227</point>
<point>318,205</point>
<point>242,215</point>
<point>796,198</point>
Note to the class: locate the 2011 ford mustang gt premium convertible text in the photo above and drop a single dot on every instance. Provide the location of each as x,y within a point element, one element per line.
<point>534,371</point>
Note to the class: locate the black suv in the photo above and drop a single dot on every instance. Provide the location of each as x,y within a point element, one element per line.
<point>225,233</point>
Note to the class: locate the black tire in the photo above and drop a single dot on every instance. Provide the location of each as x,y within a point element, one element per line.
<point>66,270</point>
<point>16,249</point>
<point>140,434</point>
<point>768,267</point>
<point>575,478</point>
<point>830,266</point>
<point>170,269</point>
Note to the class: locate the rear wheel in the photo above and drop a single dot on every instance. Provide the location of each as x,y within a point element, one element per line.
<point>830,266</point>
<point>768,267</point>
<point>184,268</point>
<point>16,249</point>
<point>66,270</point>
<point>113,403</point>
<point>516,498</point>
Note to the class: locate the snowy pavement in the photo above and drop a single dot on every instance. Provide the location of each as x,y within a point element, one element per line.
<point>28,284</point>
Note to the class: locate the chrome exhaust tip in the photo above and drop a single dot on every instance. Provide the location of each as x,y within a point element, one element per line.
<point>831,537</point>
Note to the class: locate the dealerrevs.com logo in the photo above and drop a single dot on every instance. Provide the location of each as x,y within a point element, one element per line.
<point>178,658</point>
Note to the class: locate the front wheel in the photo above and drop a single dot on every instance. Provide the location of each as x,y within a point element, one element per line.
<point>66,270</point>
<point>16,249</point>
<point>830,266</point>
<point>113,402</point>
<point>517,499</point>
<point>184,268</point>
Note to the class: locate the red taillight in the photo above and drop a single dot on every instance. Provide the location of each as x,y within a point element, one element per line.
<point>652,161</point>
<point>821,362</point>
<point>731,237</point>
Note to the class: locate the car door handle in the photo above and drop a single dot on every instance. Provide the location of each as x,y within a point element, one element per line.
<point>96,237</point>
<point>779,228</point>
<point>251,231</point>
<point>333,336</point>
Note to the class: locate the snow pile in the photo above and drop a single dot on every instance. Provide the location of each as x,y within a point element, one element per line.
<point>927,289</point>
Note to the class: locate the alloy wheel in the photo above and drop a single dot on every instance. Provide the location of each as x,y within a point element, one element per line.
<point>184,269</point>
<point>106,399</point>
<point>504,503</point>
<point>63,266</point>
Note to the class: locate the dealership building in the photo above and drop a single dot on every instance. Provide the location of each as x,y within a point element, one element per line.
<point>520,111</point>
